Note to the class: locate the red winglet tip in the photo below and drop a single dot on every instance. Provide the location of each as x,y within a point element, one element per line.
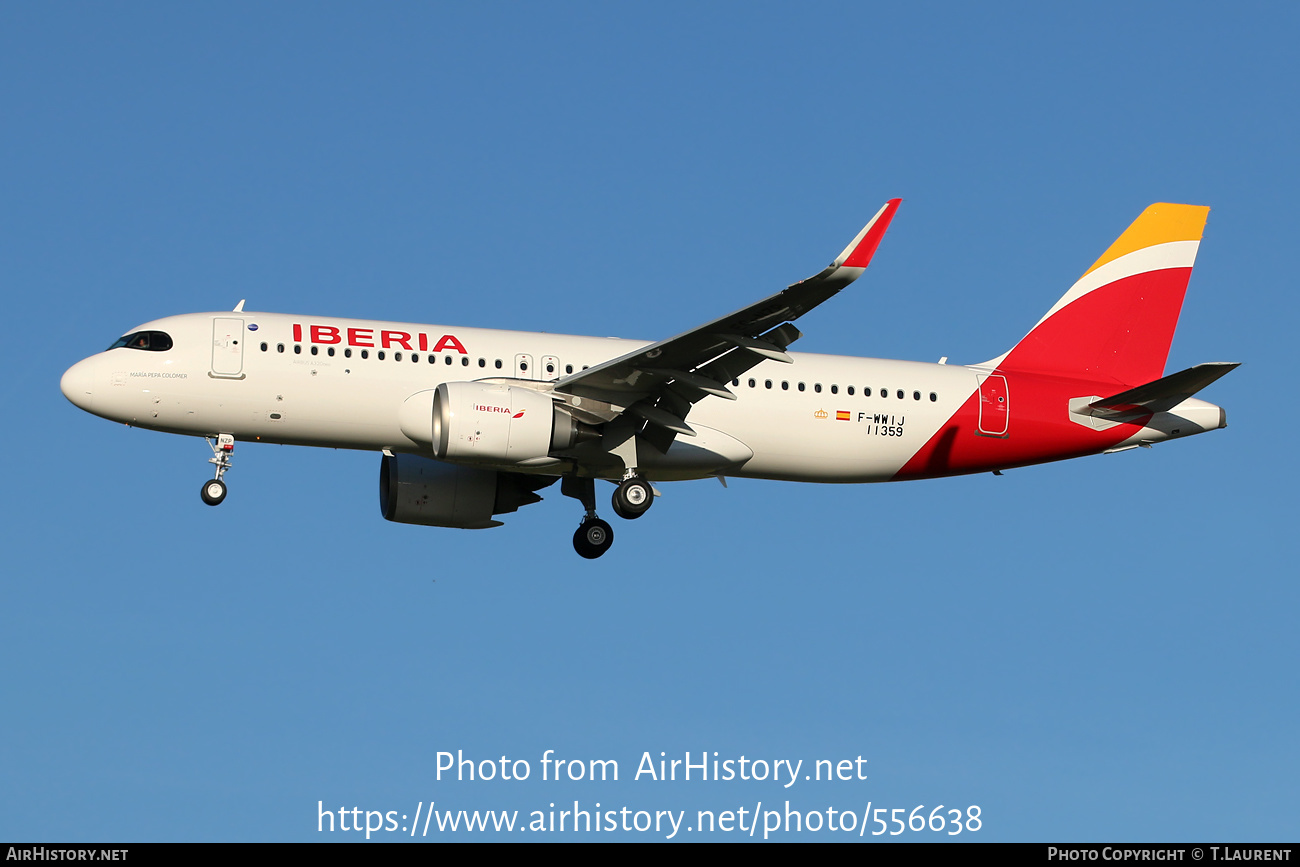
<point>862,252</point>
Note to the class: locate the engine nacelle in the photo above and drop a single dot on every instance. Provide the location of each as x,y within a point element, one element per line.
<point>417,490</point>
<point>490,423</point>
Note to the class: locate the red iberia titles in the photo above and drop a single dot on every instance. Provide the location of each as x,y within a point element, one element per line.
<point>376,338</point>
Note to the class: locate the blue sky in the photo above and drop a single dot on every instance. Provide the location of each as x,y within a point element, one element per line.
<point>1102,649</point>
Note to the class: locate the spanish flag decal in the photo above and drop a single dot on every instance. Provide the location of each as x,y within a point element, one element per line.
<point>841,415</point>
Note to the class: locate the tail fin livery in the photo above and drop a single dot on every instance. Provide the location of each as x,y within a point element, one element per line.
<point>1117,321</point>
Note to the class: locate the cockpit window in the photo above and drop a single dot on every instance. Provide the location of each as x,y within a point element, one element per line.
<point>151,341</point>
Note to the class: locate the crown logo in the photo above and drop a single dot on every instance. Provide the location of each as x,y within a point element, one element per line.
<point>821,413</point>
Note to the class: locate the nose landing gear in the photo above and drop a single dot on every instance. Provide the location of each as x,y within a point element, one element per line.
<point>214,490</point>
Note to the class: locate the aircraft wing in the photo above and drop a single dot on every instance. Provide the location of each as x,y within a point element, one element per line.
<point>659,383</point>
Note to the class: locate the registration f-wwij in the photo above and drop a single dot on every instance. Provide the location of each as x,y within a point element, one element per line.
<point>473,422</point>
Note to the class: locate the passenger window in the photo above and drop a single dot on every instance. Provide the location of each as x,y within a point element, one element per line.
<point>279,347</point>
<point>900,394</point>
<point>933,397</point>
<point>850,390</point>
<point>347,353</point>
<point>264,347</point>
<point>785,386</point>
<point>330,352</point>
<point>866,392</point>
<point>448,358</point>
<point>916,395</point>
<point>297,349</point>
<point>380,355</point>
<point>315,351</point>
<point>482,362</point>
<point>752,383</point>
<point>835,389</point>
<point>801,386</point>
<point>464,361</point>
<point>365,353</point>
<point>767,383</point>
<point>817,387</point>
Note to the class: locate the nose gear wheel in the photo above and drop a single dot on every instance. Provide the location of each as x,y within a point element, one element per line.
<point>213,492</point>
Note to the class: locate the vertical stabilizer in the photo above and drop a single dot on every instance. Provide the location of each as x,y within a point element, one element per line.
<point>1117,321</point>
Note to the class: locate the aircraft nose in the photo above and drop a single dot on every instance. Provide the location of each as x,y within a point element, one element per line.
<point>78,383</point>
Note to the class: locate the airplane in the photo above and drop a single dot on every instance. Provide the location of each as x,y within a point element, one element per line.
<point>471,422</point>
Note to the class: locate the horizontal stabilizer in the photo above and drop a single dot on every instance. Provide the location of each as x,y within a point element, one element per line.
<point>1163,394</point>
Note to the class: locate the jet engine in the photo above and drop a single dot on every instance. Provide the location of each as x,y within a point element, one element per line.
<point>476,422</point>
<point>418,490</point>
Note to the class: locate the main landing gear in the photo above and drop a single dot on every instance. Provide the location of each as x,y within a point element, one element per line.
<point>593,536</point>
<point>214,490</point>
<point>632,498</point>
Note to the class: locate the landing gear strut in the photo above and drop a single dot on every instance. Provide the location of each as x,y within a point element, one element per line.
<point>593,536</point>
<point>214,490</point>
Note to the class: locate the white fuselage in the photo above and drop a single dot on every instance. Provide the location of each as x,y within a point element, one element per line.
<point>823,418</point>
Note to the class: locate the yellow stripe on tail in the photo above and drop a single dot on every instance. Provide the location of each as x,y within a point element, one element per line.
<point>1158,224</point>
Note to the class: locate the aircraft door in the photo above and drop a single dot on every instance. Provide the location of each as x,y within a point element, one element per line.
<point>550,368</point>
<point>995,406</point>
<point>524,368</point>
<point>228,347</point>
